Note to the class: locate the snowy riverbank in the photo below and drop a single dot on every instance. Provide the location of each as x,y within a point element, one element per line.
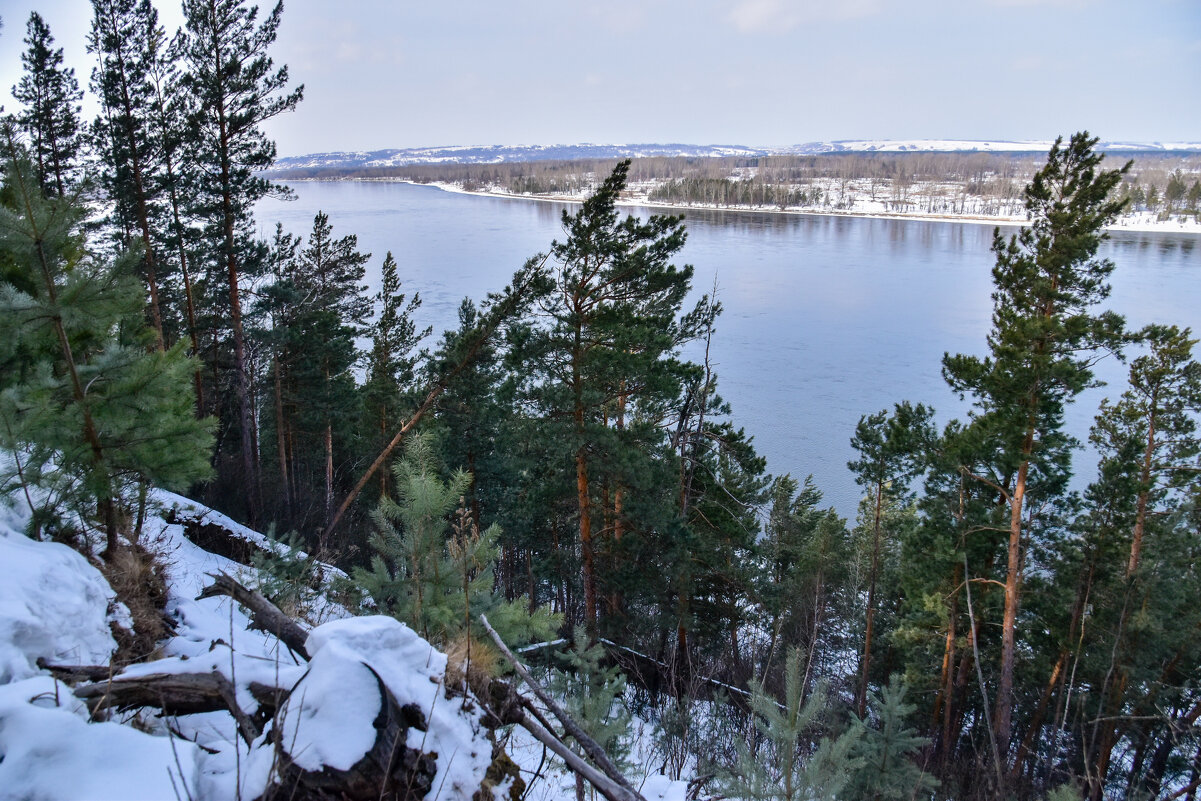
<point>863,207</point>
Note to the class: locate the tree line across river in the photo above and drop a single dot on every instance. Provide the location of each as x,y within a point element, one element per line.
<point>1164,185</point>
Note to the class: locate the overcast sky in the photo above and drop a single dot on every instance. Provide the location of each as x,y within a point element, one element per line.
<point>397,73</point>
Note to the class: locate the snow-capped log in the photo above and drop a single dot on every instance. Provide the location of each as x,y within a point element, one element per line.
<point>264,615</point>
<point>389,770</point>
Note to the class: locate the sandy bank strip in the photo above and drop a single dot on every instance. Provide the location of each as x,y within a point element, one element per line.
<point>1133,226</point>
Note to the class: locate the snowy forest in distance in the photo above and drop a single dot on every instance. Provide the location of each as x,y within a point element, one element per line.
<point>246,559</point>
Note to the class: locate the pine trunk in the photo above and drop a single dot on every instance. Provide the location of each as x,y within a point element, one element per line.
<point>1003,714</point>
<point>865,664</point>
<point>281,441</point>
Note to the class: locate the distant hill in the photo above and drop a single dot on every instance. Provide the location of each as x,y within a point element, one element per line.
<point>497,154</point>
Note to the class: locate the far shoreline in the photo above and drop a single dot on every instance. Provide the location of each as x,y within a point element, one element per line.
<point>1187,229</point>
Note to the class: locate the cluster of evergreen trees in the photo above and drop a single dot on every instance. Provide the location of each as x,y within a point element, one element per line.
<point>569,460</point>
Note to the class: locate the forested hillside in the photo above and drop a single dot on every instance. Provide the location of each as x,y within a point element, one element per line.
<point>555,463</point>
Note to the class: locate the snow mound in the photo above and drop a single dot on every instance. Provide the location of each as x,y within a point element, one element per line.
<point>53,604</point>
<point>52,753</point>
<point>330,712</point>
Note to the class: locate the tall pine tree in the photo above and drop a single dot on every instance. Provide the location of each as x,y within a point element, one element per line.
<point>1045,336</point>
<point>50,98</point>
<point>235,88</point>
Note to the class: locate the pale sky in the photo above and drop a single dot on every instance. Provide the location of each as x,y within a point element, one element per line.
<point>381,74</point>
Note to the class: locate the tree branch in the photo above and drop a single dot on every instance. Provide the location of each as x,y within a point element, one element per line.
<point>590,746</point>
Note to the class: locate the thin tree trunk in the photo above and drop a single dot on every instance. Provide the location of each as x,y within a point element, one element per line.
<point>1003,714</point>
<point>281,440</point>
<point>329,470</point>
<point>1140,518</point>
<point>865,663</point>
<point>945,702</point>
<point>177,225</point>
<point>241,368</point>
<point>585,508</point>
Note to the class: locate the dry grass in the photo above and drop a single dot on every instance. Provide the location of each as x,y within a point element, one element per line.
<point>470,659</point>
<point>137,578</point>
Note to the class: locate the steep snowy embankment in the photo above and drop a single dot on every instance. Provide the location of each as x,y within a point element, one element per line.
<point>56,606</point>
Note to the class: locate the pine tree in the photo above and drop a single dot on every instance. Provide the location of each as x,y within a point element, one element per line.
<point>167,126</point>
<point>608,350</point>
<point>81,392</point>
<point>706,558</point>
<point>889,448</point>
<point>329,275</point>
<point>392,361</point>
<point>50,117</point>
<point>802,588</point>
<point>1043,340</point>
<point>123,37</point>
<point>1149,469</point>
<point>234,89</point>
<point>777,762</point>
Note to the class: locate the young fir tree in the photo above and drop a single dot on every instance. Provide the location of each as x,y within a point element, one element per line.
<point>435,580</point>
<point>593,695</point>
<point>234,89</point>
<point>1045,335</point>
<point>50,98</point>
<point>784,759</point>
<point>887,752</point>
<point>81,394</point>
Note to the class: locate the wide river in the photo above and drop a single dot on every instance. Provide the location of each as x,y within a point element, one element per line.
<point>826,318</point>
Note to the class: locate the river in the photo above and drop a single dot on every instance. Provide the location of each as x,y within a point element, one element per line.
<point>826,318</point>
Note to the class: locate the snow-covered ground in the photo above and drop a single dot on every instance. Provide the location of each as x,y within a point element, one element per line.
<point>57,606</point>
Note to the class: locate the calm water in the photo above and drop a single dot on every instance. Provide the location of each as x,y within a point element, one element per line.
<point>826,318</point>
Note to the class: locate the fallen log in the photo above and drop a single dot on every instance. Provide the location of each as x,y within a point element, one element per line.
<point>264,615</point>
<point>173,693</point>
<point>74,674</point>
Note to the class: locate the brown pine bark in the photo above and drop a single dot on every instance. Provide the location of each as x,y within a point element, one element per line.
<point>584,502</point>
<point>1003,710</point>
<point>281,440</point>
<point>1140,518</point>
<point>865,662</point>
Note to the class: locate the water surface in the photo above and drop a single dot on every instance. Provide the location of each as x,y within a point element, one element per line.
<point>826,318</point>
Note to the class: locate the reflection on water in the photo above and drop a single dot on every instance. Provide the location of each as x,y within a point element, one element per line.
<point>826,318</point>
